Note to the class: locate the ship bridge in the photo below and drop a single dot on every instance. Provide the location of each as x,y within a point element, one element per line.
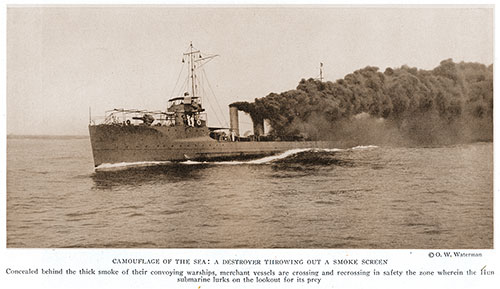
<point>184,104</point>
<point>187,110</point>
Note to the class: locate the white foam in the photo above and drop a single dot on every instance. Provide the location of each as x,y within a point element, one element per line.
<point>364,147</point>
<point>268,159</point>
<point>288,153</point>
<point>190,162</point>
<point>328,150</point>
<point>123,165</point>
<point>273,158</point>
<point>278,157</point>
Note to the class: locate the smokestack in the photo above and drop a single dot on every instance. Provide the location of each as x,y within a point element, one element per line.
<point>258,127</point>
<point>233,120</point>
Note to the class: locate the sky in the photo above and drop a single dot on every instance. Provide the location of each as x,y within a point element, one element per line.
<point>61,61</point>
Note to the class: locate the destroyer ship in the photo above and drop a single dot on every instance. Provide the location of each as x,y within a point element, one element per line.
<point>181,132</point>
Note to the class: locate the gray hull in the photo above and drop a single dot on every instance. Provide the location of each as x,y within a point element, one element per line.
<point>117,144</point>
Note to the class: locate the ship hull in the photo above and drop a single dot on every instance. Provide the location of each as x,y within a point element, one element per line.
<point>128,144</point>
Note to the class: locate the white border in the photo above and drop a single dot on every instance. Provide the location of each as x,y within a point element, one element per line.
<point>102,258</point>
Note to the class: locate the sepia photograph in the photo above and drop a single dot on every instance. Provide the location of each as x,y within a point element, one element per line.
<point>256,127</point>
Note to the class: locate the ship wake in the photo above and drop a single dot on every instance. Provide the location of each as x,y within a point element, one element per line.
<point>264,160</point>
<point>279,157</point>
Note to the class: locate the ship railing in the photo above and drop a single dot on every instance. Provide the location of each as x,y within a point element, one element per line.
<point>131,117</point>
<point>97,120</point>
<point>122,117</point>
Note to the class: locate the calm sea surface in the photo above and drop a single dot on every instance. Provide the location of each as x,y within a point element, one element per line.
<point>365,197</point>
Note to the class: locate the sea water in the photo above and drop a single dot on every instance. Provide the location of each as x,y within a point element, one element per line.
<point>362,197</point>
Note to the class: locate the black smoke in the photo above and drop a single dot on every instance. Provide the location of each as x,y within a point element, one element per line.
<point>450,103</point>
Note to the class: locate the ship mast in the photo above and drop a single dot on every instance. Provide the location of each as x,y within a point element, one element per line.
<point>193,93</point>
<point>196,61</point>
<point>321,71</point>
<point>192,67</point>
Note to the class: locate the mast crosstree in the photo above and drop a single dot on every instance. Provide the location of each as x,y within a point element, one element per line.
<point>196,61</point>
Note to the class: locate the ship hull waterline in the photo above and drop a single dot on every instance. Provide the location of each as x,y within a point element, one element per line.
<point>132,144</point>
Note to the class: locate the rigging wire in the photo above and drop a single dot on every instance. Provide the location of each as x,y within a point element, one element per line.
<point>217,102</point>
<point>177,82</point>
<point>215,114</point>
<point>210,104</point>
<point>201,82</point>
<point>184,85</point>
